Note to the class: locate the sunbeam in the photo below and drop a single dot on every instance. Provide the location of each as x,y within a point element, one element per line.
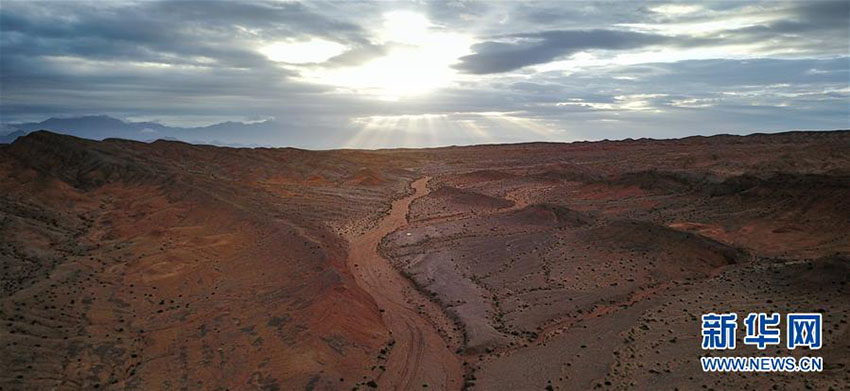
<point>381,131</point>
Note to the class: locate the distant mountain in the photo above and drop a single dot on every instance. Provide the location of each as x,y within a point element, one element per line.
<point>11,137</point>
<point>99,127</point>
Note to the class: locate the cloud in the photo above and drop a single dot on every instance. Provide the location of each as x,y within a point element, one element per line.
<point>149,58</point>
<point>590,69</point>
<point>172,32</point>
<point>522,50</point>
<point>358,55</point>
<point>805,27</point>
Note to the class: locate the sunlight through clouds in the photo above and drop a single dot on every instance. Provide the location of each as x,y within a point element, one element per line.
<point>425,73</point>
<point>676,9</point>
<point>312,51</point>
<point>633,102</point>
<point>419,61</point>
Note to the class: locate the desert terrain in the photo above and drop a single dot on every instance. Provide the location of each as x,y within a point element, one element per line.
<point>559,266</point>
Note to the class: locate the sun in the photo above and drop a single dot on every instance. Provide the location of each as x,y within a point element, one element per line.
<point>419,59</point>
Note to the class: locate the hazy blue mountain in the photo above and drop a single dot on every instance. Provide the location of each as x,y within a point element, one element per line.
<point>99,127</point>
<point>11,137</point>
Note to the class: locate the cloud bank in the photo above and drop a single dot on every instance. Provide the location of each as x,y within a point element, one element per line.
<point>435,73</point>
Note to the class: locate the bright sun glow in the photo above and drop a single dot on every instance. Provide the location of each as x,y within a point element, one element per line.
<point>676,9</point>
<point>418,60</point>
<point>305,52</point>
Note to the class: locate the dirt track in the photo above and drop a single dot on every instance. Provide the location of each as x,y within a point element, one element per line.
<point>424,336</point>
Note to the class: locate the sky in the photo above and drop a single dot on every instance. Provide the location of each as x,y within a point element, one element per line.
<point>416,74</point>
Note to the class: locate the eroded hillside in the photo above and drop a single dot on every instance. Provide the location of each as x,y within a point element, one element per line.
<point>565,266</point>
<point>173,266</point>
<point>588,265</point>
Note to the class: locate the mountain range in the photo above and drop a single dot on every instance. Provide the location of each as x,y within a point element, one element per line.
<point>99,127</point>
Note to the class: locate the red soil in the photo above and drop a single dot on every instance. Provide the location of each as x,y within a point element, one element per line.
<point>174,266</point>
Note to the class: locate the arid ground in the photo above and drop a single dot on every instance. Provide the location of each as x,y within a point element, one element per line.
<point>170,266</point>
